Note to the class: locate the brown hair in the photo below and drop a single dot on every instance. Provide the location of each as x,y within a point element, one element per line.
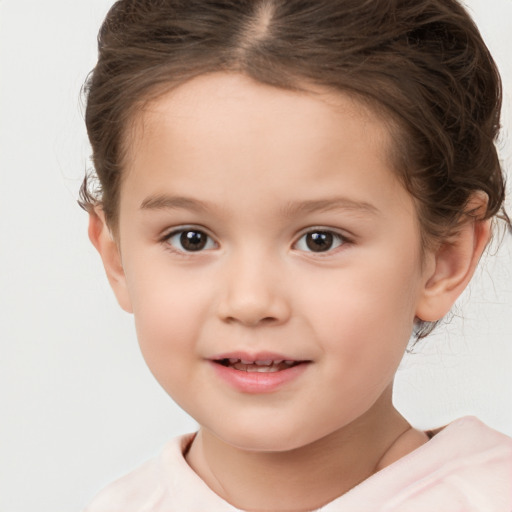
<point>420,63</point>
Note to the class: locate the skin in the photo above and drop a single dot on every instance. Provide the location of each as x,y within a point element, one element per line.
<point>255,169</point>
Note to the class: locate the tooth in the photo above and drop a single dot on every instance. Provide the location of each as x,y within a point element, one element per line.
<point>233,360</point>
<point>245,361</point>
<point>289,362</point>
<point>262,369</point>
<point>266,362</point>
<point>278,361</point>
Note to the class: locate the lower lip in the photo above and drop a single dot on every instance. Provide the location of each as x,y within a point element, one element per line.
<point>258,382</point>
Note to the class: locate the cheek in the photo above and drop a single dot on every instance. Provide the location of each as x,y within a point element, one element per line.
<point>365,320</point>
<point>378,298</point>
<point>169,311</point>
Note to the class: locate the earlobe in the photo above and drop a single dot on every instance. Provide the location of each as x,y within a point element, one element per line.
<point>102,238</point>
<point>454,264</point>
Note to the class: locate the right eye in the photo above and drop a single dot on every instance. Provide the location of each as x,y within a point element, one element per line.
<point>190,240</point>
<point>320,241</point>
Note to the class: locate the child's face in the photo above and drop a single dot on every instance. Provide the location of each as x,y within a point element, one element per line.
<point>260,224</point>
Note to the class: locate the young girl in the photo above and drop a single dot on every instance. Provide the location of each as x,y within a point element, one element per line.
<point>288,190</point>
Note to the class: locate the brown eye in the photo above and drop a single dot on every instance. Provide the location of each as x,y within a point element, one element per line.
<point>193,240</point>
<point>190,240</point>
<point>319,241</point>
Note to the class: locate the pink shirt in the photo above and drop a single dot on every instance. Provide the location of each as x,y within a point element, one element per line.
<point>466,467</point>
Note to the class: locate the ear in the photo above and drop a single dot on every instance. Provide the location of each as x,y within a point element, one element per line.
<point>453,264</point>
<point>102,238</point>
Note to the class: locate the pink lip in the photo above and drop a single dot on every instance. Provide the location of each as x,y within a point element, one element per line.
<point>255,356</point>
<point>257,382</point>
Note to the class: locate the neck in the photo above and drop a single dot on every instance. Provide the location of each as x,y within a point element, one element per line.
<point>308,477</point>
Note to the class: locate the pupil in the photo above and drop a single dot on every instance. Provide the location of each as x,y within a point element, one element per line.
<point>319,241</point>
<point>193,240</point>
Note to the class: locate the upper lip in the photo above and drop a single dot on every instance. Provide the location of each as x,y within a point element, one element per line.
<point>255,356</point>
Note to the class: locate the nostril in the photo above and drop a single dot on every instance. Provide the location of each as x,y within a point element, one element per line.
<point>253,309</point>
<point>252,322</point>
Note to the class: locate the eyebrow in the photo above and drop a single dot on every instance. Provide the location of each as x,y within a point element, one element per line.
<point>329,204</point>
<point>164,202</point>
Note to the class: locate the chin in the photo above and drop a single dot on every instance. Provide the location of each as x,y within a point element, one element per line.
<point>268,437</point>
<point>267,444</point>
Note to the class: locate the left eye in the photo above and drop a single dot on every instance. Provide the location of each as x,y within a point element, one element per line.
<point>319,241</point>
<point>190,240</point>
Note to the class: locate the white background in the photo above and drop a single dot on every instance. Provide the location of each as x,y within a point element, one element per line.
<point>78,406</point>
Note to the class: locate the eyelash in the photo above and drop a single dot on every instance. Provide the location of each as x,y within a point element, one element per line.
<point>179,234</point>
<point>328,236</point>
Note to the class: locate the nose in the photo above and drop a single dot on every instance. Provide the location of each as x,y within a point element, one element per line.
<point>254,293</point>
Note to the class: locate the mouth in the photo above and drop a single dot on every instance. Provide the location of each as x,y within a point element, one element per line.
<point>258,365</point>
<point>263,372</point>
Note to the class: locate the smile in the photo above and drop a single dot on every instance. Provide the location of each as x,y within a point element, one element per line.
<point>261,366</point>
<point>258,373</point>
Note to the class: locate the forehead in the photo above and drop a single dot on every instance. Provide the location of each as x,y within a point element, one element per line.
<point>210,104</point>
<point>226,128</point>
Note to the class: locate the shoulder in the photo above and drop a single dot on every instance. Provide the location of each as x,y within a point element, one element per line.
<point>465,467</point>
<point>470,439</point>
<point>470,446</point>
<point>147,485</point>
